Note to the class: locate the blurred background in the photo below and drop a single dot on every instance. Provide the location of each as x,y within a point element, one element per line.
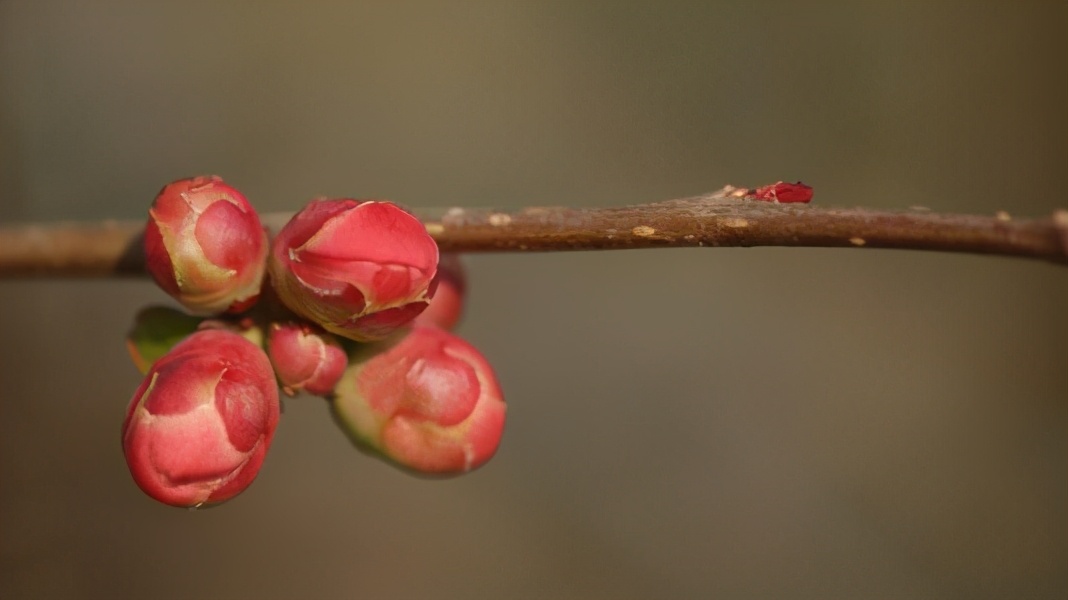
<point>682,423</point>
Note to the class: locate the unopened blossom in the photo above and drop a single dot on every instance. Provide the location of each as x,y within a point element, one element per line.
<point>305,358</point>
<point>360,269</point>
<point>430,403</point>
<point>447,306</point>
<point>198,428</point>
<point>205,246</point>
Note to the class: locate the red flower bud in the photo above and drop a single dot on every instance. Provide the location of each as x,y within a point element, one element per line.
<point>430,403</point>
<point>199,426</point>
<point>361,269</point>
<point>784,192</point>
<point>447,306</point>
<point>305,358</point>
<point>205,246</point>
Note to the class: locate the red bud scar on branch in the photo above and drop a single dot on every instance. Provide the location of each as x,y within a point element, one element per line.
<point>198,428</point>
<point>784,192</point>
<point>205,246</point>
<point>360,269</point>
<point>430,403</point>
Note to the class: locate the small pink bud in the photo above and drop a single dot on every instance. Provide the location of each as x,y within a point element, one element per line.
<point>205,246</point>
<point>430,403</point>
<point>200,424</point>
<point>447,306</point>
<point>361,269</point>
<point>305,358</point>
<point>784,192</point>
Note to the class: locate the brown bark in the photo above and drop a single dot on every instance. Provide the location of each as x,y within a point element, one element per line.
<point>724,218</point>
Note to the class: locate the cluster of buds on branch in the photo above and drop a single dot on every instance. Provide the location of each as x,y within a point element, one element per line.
<point>358,308</point>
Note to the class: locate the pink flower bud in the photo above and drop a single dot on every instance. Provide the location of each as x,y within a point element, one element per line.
<point>361,269</point>
<point>447,306</point>
<point>430,403</point>
<point>205,246</point>
<point>305,358</point>
<point>199,426</point>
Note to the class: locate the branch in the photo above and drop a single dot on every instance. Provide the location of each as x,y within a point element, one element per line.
<point>723,218</point>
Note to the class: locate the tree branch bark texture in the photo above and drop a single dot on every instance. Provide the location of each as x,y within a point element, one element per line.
<point>729,217</point>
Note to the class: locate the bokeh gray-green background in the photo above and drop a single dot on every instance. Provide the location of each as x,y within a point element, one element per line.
<point>683,423</point>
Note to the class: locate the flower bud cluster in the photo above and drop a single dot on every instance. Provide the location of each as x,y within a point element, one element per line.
<point>357,308</point>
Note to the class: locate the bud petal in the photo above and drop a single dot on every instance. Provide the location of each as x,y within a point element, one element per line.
<point>205,246</point>
<point>430,403</point>
<point>305,358</point>
<point>447,306</point>
<point>360,269</point>
<point>200,424</point>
